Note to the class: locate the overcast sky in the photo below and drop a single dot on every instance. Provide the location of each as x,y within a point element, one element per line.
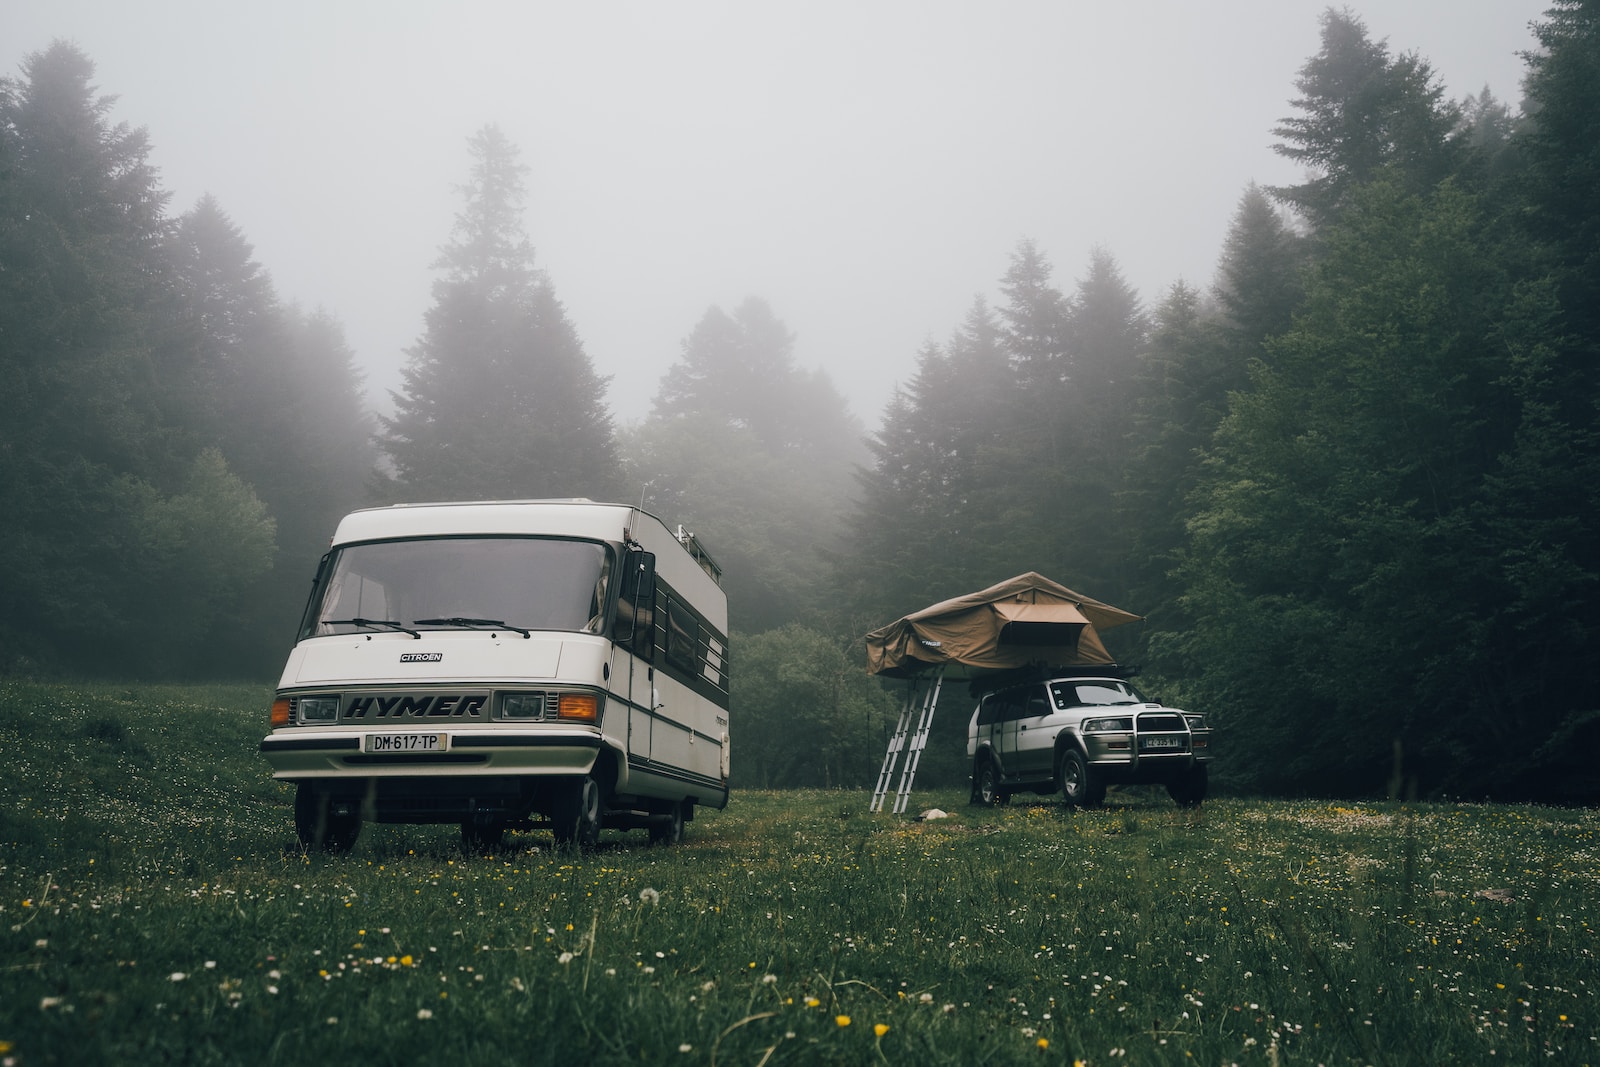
<point>865,167</point>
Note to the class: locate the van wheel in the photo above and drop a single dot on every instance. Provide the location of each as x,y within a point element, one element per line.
<point>1079,786</point>
<point>986,783</point>
<point>482,837</point>
<point>318,826</point>
<point>1190,790</point>
<point>670,831</point>
<point>576,818</point>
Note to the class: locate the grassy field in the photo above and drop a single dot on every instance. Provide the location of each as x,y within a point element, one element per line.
<point>154,907</point>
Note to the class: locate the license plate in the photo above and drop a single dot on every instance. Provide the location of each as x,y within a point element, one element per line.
<point>1161,742</point>
<point>407,742</point>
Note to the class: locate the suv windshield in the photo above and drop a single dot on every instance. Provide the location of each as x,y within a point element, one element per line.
<point>521,583</point>
<point>1095,692</point>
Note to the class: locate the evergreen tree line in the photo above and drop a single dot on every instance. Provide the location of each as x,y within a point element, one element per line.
<point>174,439</point>
<point>1351,484</point>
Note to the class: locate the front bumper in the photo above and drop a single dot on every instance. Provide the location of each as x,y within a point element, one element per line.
<point>301,753</point>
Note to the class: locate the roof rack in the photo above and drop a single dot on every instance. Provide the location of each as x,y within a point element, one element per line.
<point>1043,672</point>
<point>699,554</point>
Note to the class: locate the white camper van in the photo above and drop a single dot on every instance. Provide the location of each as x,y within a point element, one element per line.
<point>506,665</point>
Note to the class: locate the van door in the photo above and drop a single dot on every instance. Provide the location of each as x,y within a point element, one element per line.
<point>633,632</point>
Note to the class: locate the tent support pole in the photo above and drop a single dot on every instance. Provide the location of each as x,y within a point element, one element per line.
<point>918,740</point>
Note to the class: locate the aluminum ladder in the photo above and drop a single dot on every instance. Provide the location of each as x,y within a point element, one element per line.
<point>903,733</point>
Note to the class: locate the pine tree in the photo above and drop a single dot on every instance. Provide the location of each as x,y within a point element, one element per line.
<point>1342,542</point>
<point>929,524</point>
<point>109,502</point>
<point>1259,275</point>
<point>740,369</point>
<point>1562,146</point>
<point>498,397</point>
<point>754,453</point>
<point>1362,112</point>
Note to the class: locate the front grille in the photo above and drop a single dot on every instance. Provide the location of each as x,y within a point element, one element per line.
<point>1161,722</point>
<point>1162,734</point>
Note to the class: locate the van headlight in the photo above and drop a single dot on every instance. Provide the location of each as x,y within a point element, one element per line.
<point>522,706</point>
<point>318,709</point>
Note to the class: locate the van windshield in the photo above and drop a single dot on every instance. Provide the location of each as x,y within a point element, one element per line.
<point>522,583</point>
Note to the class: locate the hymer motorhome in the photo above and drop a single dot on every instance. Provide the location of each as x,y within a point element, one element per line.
<point>506,665</point>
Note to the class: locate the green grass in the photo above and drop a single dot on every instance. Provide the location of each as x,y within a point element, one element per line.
<point>154,906</point>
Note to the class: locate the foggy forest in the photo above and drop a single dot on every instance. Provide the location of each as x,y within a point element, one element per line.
<point>1352,484</point>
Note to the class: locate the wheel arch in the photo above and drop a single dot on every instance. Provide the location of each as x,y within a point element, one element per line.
<point>607,770</point>
<point>1066,741</point>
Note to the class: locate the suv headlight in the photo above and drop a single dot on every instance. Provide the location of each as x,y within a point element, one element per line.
<point>1106,725</point>
<point>318,709</point>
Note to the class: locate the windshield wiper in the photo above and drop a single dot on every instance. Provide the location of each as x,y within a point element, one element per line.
<point>474,624</point>
<point>402,627</point>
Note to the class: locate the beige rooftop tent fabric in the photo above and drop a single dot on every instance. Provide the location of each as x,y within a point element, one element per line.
<point>1024,620</point>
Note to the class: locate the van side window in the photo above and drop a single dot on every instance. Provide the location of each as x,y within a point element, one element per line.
<point>683,635</point>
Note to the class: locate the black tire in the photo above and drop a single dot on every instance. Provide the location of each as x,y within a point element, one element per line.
<point>986,790</point>
<point>578,808</point>
<point>669,831</point>
<point>318,826</point>
<point>1080,787</point>
<point>1190,790</point>
<point>482,837</point>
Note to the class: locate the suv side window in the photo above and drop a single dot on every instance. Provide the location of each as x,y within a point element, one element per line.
<point>1037,705</point>
<point>989,710</point>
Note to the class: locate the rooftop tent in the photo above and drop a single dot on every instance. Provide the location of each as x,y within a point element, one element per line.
<point>1023,620</point>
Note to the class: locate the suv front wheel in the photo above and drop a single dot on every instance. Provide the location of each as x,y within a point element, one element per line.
<point>1079,784</point>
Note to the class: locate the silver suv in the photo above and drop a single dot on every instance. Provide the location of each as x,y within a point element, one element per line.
<point>1077,735</point>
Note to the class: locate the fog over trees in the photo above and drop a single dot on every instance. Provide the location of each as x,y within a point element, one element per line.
<point>1353,482</point>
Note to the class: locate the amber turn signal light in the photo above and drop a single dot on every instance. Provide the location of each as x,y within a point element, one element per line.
<point>582,706</point>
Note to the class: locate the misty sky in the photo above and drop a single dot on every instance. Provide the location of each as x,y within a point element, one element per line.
<point>867,168</point>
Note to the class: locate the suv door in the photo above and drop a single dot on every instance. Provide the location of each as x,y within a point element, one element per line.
<point>1035,735</point>
<point>1008,706</point>
<point>986,725</point>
